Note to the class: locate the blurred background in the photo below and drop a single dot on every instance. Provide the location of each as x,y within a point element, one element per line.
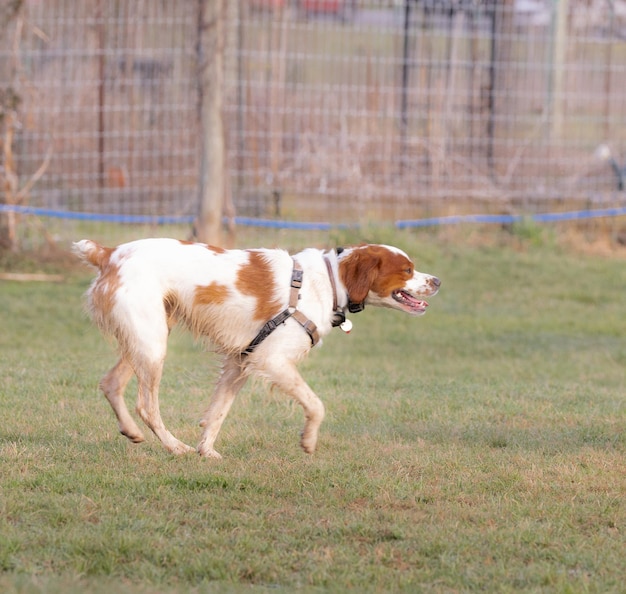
<point>342,112</point>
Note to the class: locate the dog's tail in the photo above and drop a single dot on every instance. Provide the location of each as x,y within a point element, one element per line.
<point>92,253</point>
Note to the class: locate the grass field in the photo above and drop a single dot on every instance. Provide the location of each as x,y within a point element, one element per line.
<point>479,448</point>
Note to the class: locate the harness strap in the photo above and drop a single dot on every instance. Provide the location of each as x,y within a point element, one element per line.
<point>291,311</point>
<point>309,327</point>
<point>267,330</point>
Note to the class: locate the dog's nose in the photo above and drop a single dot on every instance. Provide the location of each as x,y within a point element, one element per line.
<point>435,282</point>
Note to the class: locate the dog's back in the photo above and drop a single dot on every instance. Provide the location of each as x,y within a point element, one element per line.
<point>223,295</point>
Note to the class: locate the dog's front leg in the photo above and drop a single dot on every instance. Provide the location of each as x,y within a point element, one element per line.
<point>232,379</point>
<point>283,373</point>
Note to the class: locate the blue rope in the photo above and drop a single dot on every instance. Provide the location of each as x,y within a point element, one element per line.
<point>548,217</point>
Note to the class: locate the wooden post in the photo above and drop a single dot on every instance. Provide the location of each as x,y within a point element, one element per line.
<point>499,102</point>
<point>277,93</point>
<point>101,97</point>
<point>211,184</point>
<point>560,47</point>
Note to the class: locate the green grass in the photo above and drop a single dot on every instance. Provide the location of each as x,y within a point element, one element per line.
<point>479,448</point>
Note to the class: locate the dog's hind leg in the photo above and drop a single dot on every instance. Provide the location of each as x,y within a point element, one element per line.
<point>148,377</point>
<point>146,354</point>
<point>113,385</point>
<point>231,380</point>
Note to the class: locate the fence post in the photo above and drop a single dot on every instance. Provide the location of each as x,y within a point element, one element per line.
<point>558,64</point>
<point>211,178</point>
<point>499,102</point>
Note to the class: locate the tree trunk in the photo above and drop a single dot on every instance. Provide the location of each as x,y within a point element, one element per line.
<point>9,106</point>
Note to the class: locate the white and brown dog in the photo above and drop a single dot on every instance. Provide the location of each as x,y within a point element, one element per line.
<point>262,309</point>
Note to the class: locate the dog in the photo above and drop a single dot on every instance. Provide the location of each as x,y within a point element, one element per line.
<point>262,309</point>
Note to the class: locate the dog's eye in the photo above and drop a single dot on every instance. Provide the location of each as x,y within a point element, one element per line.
<point>409,271</point>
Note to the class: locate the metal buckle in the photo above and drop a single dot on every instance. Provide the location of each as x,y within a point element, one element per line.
<point>296,279</point>
<point>356,307</point>
<point>338,318</point>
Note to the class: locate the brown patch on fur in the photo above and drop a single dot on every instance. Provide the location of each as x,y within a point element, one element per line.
<point>374,268</point>
<point>395,270</point>
<point>105,288</point>
<point>212,248</point>
<point>358,272</point>
<point>99,256</point>
<point>257,280</point>
<point>212,294</point>
<point>171,304</point>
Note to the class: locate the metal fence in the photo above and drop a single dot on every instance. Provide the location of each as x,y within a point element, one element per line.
<point>336,111</point>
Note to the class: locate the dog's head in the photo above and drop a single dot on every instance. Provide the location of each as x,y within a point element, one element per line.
<point>384,275</point>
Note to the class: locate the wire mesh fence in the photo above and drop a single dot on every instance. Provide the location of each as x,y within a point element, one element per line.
<point>336,110</point>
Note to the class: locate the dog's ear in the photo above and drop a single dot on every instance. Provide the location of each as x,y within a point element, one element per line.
<point>359,271</point>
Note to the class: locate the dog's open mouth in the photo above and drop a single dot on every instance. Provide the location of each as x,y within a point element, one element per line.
<point>416,306</point>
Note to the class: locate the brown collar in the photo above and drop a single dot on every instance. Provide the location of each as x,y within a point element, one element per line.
<point>338,316</point>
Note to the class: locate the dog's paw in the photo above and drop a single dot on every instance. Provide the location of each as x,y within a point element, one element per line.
<point>308,443</point>
<point>133,436</point>
<point>207,452</point>
<point>181,448</point>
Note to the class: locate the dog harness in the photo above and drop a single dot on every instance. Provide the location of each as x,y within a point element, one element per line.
<point>291,312</point>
